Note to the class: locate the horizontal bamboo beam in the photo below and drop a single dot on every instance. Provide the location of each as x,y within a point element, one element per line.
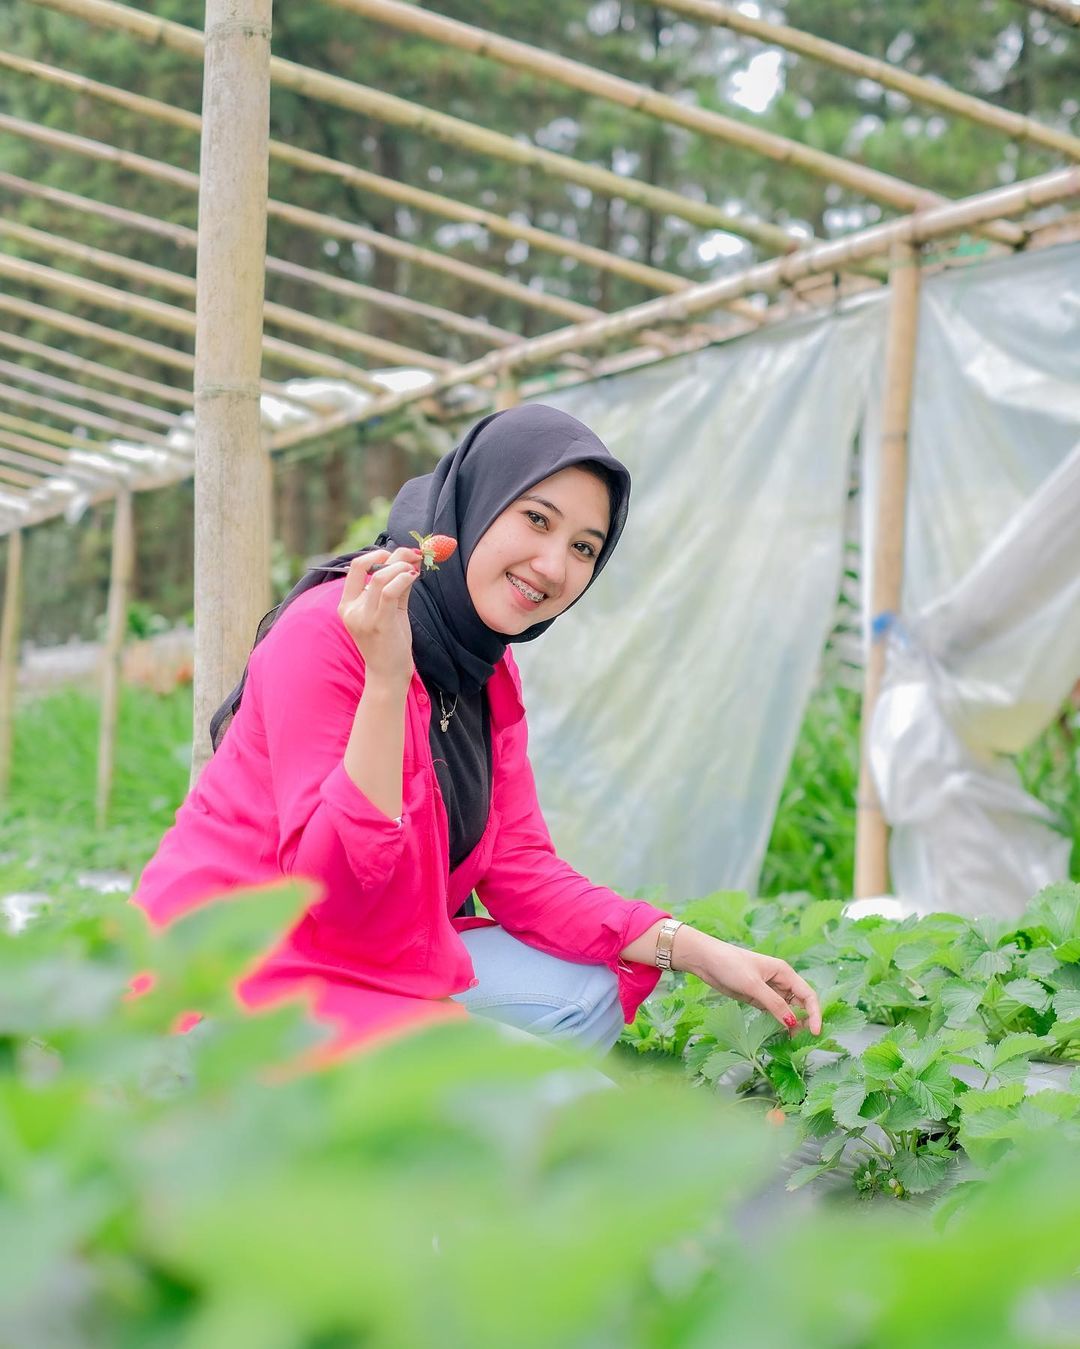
<point>420,199</point>
<point>29,375</point>
<point>872,183</point>
<point>315,221</point>
<point>454,131</point>
<point>184,237</point>
<point>98,332</point>
<point>915,87</point>
<point>174,318</point>
<point>53,407</point>
<point>38,439</point>
<point>105,374</point>
<point>1068,11</point>
<point>839,255</point>
<point>18,477</point>
<point>321,329</point>
<point>95,475</point>
<point>31,463</point>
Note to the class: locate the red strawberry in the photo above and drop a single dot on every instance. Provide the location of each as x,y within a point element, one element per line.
<point>775,1117</point>
<point>436,548</point>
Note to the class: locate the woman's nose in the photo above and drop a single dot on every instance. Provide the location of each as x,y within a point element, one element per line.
<point>551,565</point>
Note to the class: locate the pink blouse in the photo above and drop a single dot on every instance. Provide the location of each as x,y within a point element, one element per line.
<point>380,950</point>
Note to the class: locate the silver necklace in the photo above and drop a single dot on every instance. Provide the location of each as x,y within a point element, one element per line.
<point>444,720</point>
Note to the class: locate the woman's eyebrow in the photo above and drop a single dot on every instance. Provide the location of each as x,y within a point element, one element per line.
<point>542,501</point>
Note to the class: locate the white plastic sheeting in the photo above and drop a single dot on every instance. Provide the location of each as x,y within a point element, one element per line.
<point>664,709</point>
<point>988,644</point>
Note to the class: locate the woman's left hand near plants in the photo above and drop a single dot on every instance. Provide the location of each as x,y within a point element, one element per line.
<point>748,976</point>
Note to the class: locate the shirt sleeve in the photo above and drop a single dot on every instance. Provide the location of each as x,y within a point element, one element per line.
<point>543,901</point>
<point>307,678</point>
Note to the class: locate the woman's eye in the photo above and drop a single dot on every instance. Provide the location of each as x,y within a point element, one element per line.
<point>536,518</point>
<point>586,550</point>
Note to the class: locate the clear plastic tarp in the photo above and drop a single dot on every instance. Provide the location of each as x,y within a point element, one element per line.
<point>988,643</point>
<point>663,710</point>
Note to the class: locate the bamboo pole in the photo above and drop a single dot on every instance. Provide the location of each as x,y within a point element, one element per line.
<point>105,374</point>
<point>75,471</point>
<point>1068,11</point>
<point>872,183</point>
<point>183,237</point>
<point>31,463</point>
<point>392,353</point>
<point>80,327</point>
<point>20,478</point>
<point>81,417</point>
<point>420,199</point>
<point>232,557</point>
<point>38,378</point>
<point>454,131</point>
<point>172,317</point>
<point>310,220</point>
<point>881,72</point>
<point>507,392</point>
<point>123,562</point>
<point>837,256</point>
<point>871,832</point>
<point>10,626</point>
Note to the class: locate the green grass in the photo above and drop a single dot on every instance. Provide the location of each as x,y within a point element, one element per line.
<point>47,830</point>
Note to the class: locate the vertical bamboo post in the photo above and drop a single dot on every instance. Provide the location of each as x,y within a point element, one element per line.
<point>871,833</point>
<point>123,558</point>
<point>9,655</point>
<point>232,559</point>
<point>507,391</point>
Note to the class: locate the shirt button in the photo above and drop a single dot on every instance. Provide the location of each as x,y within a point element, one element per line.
<point>474,983</point>
<point>422,698</point>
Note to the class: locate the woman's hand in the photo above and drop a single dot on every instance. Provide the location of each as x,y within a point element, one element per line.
<point>762,981</point>
<point>375,610</point>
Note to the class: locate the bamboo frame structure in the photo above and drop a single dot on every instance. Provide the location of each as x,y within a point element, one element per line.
<point>915,87</point>
<point>421,199</point>
<point>104,374</point>
<point>28,375</point>
<point>323,330</point>
<point>10,627</point>
<point>881,187</point>
<point>315,221</point>
<point>120,574</point>
<point>871,832</point>
<point>358,98</point>
<point>186,238</point>
<point>80,417</point>
<point>232,553</point>
<point>934,223</point>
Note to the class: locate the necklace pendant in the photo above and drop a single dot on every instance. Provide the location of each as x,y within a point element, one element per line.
<point>444,722</point>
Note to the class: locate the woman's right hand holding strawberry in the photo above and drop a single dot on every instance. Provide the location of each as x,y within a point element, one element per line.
<point>375,610</point>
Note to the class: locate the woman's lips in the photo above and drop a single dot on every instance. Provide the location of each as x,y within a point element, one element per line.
<point>522,600</point>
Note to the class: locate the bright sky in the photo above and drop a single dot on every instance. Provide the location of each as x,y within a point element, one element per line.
<point>756,86</point>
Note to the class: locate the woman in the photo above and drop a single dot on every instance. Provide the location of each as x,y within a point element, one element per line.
<point>380,749</point>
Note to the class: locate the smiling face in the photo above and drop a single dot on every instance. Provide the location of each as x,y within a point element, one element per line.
<point>537,557</point>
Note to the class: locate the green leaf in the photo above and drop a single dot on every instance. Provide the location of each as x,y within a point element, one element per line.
<point>876,1104</point>
<point>972,1102</point>
<point>904,1113</point>
<point>935,1090</point>
<point>992,962</point>
<point>846,1102</point>
<point>1012,1046</point>
<point>1058,908</point>
<point>718,1063</point>
<point>1067,1004</point>
<point>883,1059</point>
<point>789,1083</point>
<point>837,1018</point>
<point>1026,993</point>
<point>1067,953</point>
<point>960,1001</point>
<point>806,1174</point>
<point>919,1172</point>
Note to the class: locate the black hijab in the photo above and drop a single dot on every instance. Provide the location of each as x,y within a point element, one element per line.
<point>500,459</point>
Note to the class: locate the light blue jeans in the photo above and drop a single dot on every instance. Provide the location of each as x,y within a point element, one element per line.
<point>538,993</point>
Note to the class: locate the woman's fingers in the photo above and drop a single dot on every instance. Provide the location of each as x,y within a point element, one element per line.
<point>795,989</point>
<point>356,578</point>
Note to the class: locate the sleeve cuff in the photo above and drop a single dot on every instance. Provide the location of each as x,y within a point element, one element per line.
<point>366,833</point>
